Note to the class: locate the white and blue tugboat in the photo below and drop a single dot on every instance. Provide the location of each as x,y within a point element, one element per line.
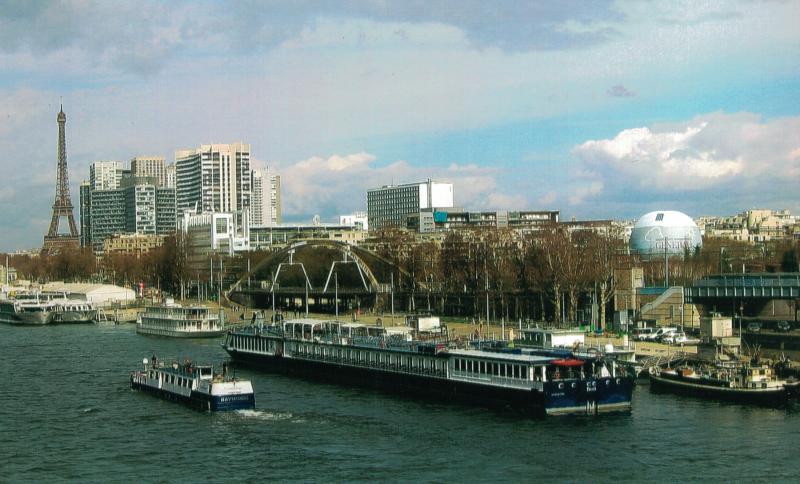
<point>546,382</point>
<point>194,385</point>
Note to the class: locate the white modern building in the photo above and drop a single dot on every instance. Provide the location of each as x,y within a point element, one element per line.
<point>213,178</point>
<point>150,166</point>
<point>358,220</point>
<point>224,233</point>
<point>265,207</point>
<point>391,204</point>
<point>105,175</point>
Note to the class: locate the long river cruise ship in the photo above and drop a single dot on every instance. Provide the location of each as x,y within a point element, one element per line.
<point>550,383</point>
<point>174,320</point>
<point>38,308</point>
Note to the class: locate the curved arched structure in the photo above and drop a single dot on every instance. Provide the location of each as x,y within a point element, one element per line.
<point>319,270</point>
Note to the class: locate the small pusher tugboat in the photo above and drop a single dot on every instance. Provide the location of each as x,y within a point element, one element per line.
<point>745,382</point>
<point>194,385</point>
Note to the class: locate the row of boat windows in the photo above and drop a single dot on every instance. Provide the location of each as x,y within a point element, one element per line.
<point>355,355</point>
<point>172,379</point>
<point>173,324</point>
<point>479,367</point>
<point>253,344</point>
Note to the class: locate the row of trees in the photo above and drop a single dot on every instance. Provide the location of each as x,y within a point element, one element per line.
<point>543,274</point>
<point>162,267</point>
<point>546,274</point>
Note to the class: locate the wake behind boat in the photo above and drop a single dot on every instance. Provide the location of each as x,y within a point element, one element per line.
<point>194,385</point>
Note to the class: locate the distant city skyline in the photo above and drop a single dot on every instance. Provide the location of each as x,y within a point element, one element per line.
<point>597,109</point>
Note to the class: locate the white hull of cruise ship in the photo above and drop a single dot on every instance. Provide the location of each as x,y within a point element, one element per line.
<point>175,321</point>
<point>51,312</point>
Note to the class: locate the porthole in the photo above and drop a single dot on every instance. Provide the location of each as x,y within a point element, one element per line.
<point>560,386</point>
<point>617,381</point>
<point>608,383</point>
<point>574,385</point>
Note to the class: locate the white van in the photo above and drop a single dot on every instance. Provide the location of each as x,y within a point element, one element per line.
<point>643,334</point>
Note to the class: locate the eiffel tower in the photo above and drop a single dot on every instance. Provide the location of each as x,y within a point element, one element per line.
<point>62,207</point>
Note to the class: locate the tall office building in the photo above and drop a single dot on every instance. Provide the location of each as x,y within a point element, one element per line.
<point>391,204</point>
<point>265,208</point>
<point>137,206</point>
<point>85,214</point>
<point>150,166</point>
<point>213,178</point>
<point>107,215</point>
<point>105,175</point>
<point>169,176</point>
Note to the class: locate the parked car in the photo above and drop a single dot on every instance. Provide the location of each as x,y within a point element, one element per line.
<point>662,332</point>
<point>680,338</point>
<point>754,327</point>
<point>784,326</point>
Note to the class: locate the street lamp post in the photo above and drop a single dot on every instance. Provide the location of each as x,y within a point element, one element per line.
<point>336,295</point>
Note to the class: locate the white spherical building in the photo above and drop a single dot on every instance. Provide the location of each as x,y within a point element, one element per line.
<point>656,229</point>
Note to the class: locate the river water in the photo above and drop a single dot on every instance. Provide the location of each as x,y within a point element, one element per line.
<point>67,413</point>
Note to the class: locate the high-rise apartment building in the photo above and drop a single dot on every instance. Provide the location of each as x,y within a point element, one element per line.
<point>150,166</point>
<point>391,204</point>
<point>105,175</point>
<point>265,207</point>
<point>213,178</point>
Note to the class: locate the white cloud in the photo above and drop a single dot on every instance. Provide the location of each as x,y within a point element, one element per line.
<point>666,160</point>
<point>732,156</point>
<point>580,193</point>
<point>506,201</point>
<point>337,184</point>
<point>548,198</point>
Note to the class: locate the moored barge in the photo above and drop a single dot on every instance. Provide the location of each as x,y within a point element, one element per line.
<point>433,366</point>
<point>194,385</point>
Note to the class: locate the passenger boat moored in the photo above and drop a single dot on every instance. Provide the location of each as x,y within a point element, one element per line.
<point>194,385</point>
<point>173,320</point>
<point>431,365</point>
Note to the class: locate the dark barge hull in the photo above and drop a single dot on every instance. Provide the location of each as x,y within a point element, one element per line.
<point>198,401</point>
<point>766,397</point>
<point>429,386</point>
<point>423,385</point>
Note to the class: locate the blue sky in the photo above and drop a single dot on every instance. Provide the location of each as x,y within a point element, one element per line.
<point>597,109</point>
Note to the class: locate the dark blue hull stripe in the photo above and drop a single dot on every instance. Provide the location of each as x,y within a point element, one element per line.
<point>201,401</point>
